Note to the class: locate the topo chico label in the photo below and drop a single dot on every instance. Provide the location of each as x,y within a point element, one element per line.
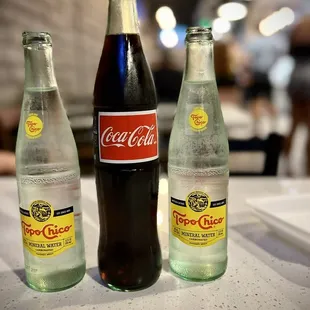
<point>47,232</point>
<point>127,137</point>
<point>197,221</point>
<point>33,126</point>
<point>198,119</point>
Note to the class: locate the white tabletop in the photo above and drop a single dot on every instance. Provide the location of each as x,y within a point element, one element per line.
<point>264,272</point>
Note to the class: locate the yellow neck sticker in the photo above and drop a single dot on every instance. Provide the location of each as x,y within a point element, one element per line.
<point>198,119</point>
<point>33,126</point>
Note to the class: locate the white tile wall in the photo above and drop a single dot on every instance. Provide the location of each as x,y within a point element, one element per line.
<point>77,28</point>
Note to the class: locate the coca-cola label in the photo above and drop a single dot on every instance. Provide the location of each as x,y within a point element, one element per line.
<point>127,137</point>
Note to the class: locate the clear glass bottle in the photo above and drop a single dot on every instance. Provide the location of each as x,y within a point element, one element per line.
<point>198,169</point>
<point>48,176</point>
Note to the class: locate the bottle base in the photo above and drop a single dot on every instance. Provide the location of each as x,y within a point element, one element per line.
<point>57,281</point>
<point>128,289</point>
<point>198,273</point>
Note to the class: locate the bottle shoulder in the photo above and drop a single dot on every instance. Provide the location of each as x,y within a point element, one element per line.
<point>51,144</point>
<point>124,77</point>
<point>198,126</point>
<point>188,148</point>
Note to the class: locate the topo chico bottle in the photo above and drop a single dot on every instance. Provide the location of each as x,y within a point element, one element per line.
<point>126,156</point>
<point>48,176</point>
<point>198,169</point>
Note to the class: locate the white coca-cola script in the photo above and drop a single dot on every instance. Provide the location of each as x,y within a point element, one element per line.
<point>141,136</point>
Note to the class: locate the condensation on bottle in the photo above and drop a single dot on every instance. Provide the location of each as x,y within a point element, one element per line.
<point>48,176</point>
<point>198,169</point>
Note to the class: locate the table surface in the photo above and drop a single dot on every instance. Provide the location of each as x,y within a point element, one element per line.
<point>264,272</point>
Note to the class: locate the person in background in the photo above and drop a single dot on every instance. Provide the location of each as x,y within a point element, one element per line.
<point>9,120</point>
<point>261,53</point>
<point>299,86</point>
<point>7,158</point>
<point>167,79</point>
<point>7,163</point>
<point>223,66</point>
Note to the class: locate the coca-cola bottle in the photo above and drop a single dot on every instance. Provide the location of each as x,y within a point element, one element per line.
<point>126,156</point>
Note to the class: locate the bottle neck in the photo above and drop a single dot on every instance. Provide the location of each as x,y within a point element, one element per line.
<point>39,69</point>
<point>199,61</point>
<point>123,17</point>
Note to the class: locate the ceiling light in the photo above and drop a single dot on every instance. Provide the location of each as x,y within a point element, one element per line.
<point>165,18</point>
<point>217,36</point>
<point>168,23</point>
<point>221,25</point>
<point>276,21</point>
<point>163,12</point>
<point>169,38</point>
<point>232,11</point>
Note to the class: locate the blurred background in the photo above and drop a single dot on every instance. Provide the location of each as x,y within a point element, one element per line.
<point>262,51</point>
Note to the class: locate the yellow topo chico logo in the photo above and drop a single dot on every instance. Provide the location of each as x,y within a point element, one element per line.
<point>198,119</point>
<point>204,222</point>
<point>33,126</point>
<point>197,220</point>
<point>49,231</point>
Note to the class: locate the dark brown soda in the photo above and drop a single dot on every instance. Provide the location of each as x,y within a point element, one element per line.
<point>129,255</point>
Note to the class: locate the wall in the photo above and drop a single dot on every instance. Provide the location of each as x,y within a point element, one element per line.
<point>77,28</point>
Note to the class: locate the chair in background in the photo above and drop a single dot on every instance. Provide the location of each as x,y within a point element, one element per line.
<point>255,157</point>
<point>165,112</point>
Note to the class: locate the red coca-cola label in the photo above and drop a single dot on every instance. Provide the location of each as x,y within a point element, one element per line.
<point>127,137</point>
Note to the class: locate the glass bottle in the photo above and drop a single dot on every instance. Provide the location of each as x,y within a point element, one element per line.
<point>126,156</point>
<point>198,169</point>
<point>48,176</point>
